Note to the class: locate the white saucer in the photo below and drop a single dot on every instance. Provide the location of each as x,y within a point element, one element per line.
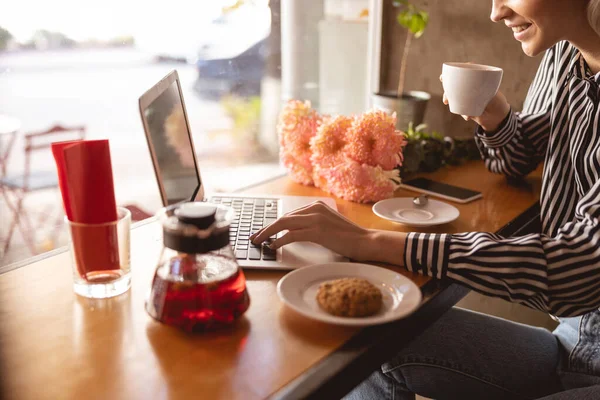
<point>402,210</point>
<point>298,290</point>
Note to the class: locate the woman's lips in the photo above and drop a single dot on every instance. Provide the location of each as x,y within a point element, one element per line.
<point>521,31</point>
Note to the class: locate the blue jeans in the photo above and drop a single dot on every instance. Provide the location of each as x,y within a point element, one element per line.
<point>467,355</point>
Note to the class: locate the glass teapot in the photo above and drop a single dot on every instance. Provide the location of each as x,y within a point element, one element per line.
<point>198,284</point>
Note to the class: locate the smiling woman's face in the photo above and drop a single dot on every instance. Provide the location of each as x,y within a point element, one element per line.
<point>539,24</point>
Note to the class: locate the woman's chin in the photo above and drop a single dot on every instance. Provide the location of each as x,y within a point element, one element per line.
<point>537,43</point>
<point>531,49</point>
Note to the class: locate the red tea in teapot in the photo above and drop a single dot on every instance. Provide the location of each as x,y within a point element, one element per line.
<point>198,284</point>
<point>194,305</point>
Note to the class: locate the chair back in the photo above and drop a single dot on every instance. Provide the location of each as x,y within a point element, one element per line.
<point>7,140</point>
<point>42,141</point>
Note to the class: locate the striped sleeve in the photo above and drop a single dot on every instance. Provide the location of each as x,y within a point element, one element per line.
<point>559,275</point>
<point>519,144</point>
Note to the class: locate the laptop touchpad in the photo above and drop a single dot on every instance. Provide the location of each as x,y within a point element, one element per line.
<point>300,254</point>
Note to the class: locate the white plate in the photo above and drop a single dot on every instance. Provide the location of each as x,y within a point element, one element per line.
<point>298,290</point>
<point>402,210</point>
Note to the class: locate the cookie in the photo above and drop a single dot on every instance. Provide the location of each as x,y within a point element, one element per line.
<point>349,297</point>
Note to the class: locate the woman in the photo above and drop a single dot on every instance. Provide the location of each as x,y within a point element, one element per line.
<point>468,355</point>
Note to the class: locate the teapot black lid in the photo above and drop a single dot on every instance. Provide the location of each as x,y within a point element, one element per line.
<point>201,215</point>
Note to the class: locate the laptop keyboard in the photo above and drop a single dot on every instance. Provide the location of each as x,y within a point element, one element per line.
<point>251,215</point>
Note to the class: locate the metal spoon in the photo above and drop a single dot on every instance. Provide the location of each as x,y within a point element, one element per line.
<point>421,201</point>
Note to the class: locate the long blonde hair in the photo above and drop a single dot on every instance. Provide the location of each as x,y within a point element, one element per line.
<point>594,15</point>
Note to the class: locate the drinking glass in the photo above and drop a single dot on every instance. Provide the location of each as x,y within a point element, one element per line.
<point>100,256</point>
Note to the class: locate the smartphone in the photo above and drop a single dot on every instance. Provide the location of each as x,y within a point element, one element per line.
<point>442,190</point>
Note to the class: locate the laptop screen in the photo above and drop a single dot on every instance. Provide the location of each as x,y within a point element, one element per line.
<point>171,140</point>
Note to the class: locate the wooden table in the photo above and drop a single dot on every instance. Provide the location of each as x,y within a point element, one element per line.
<point>56,345</point>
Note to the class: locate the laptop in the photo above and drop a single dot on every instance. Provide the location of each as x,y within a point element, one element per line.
<point>169,138</point>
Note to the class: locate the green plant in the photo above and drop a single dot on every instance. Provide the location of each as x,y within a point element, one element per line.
<point>245,114</point>
<point>415,21</point>
<point>414,133</point>
<point>428,151</point>
<point>424,151</point>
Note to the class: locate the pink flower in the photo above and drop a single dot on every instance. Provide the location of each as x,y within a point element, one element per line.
<point>322,165</point>
<point>356,182</point>
<point>298,166</point>
<point>331,136</point>
<point>350,157</point>
<point>297,124</point>
<point>327,147</point>
<point>374,140</point>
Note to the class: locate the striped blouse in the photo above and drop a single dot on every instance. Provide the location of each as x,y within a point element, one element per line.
<point>557,270</point>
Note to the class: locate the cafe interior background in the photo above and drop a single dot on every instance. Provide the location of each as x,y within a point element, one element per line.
<point>238,61</point>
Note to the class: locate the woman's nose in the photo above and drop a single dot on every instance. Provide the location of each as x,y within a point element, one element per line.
<point>499,10</point>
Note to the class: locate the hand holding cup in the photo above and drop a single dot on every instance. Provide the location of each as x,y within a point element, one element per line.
<point>471,90</point>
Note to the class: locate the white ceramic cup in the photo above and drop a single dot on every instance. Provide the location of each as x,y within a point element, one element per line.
<point>470,87</point>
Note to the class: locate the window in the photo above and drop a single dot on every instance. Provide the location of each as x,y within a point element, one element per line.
<point>71,63</point>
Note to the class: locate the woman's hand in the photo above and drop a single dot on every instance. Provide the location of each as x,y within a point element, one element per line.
<point>320,224</point>
<point>495,112</point>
